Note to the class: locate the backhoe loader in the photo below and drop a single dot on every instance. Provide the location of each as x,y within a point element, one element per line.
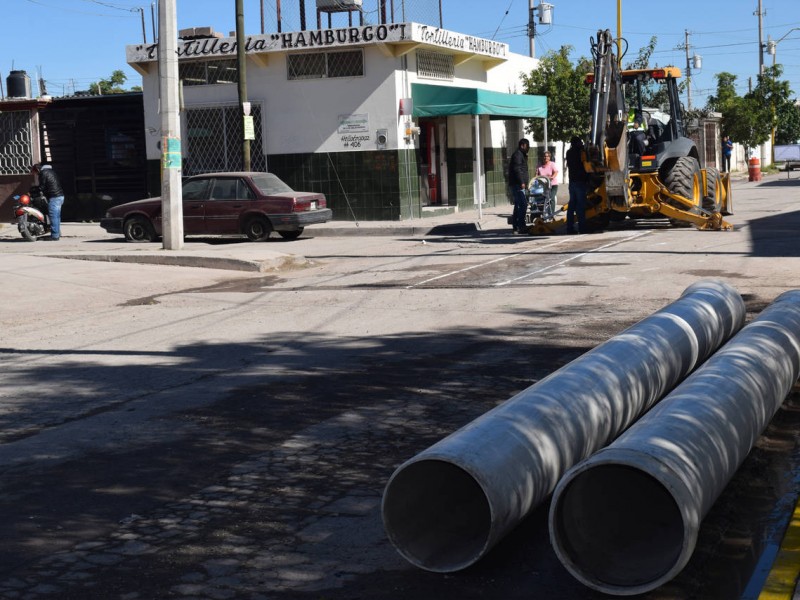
<point>652,172</point>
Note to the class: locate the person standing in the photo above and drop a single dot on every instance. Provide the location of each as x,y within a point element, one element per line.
<point>727,150</point>
<point>51,189</point>
<point>578,186</point>
<point>548,169</point>
<point>518,181</point>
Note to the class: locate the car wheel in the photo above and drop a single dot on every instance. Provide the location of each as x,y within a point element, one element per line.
<point>139,229</point>
<point>291,235</point>
<point>258,229</point>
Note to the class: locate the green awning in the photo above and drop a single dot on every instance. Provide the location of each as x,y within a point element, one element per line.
<point>441,100</point>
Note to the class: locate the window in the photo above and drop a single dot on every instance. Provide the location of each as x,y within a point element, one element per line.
<point>16,145</point>
<point>214,140</point>
<point>208,72</point>
<point>224,189</point>
<point>318,65</point>
<point>435,65</point>
<point>195,190</point>
<point>269,184</point>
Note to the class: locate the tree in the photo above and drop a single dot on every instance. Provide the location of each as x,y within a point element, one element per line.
<point>567,95</point>
<point>748,119</point>
<point>112,85</point>
<point>788,131</point>
<point>726,92</point>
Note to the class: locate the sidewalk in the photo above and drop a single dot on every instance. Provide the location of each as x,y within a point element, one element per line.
<point>87,241</point>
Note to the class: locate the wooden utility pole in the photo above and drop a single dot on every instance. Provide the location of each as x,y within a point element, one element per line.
<point>171,152</point>
<point>760,39</point>
<point>688,72</point>
<point>241,59</point>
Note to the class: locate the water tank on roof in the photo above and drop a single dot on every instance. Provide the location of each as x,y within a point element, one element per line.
<point>339,5</point>
<point>18,85</point>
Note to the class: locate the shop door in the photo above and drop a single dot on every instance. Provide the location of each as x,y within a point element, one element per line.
<point>434,158</point>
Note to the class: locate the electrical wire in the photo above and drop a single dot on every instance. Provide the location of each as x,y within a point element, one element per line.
<point>80,12</point>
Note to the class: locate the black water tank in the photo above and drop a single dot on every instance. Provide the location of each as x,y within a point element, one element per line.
<point>18,84</point>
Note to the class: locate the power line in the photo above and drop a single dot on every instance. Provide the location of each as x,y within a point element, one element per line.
<point>76,11</point>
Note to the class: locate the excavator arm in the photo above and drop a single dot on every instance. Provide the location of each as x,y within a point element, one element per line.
<point>607,151</point>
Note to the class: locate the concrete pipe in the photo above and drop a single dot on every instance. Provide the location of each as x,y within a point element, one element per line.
<point>446,507</point>
<point>625,521</point>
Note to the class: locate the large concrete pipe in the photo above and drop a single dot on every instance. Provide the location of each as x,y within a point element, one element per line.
<point>446,507</point>
<point>625,521</point>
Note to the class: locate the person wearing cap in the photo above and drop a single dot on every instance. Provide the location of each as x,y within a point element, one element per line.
<point>52,190</point>
<point>518,181</point>
<point>578,187</point>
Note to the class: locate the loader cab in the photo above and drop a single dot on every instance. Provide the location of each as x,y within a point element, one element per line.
<point>656,136</point>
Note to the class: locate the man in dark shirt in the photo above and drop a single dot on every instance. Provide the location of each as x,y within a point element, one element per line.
<point>518,181</point>
<point>51,188</point>
<point>578,186</point>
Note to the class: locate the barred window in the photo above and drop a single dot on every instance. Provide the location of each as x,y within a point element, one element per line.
<point>318,65</point>
<point>214,138</point>
<point>208,72</point>
<point>435,65</point>
<point>16,142</point>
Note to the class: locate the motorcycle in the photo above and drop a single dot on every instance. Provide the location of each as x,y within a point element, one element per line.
<point>32,215</point>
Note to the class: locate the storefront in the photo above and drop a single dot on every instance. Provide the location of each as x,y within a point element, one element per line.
<point>391,121</point>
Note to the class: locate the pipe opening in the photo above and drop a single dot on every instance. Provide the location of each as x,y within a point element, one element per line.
<point>617,525</point>
<point>437,515</point>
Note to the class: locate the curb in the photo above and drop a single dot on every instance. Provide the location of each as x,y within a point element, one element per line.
<point>202,262</point>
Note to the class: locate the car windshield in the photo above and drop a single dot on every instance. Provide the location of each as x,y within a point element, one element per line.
<point>269,184</point>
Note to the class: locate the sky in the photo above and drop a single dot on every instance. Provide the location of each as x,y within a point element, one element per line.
<point>72,43</point>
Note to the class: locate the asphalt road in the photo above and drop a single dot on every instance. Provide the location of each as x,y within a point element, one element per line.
<point>174,432</point>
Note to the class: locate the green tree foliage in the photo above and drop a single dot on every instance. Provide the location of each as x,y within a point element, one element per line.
<point>749,119</point>
<point>567,95</point>
<point>788,130</point>
<point>112,85</point>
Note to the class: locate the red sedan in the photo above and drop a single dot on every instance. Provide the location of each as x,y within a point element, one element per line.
<point>251,204</point>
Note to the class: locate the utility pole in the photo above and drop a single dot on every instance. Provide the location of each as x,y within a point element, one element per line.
<point>760,14</point>
<point>241,59</point>
<point>171,156</point>
<point>531,28</point>
<point>688,72</point>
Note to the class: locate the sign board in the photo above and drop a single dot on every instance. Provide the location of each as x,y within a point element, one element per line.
<point>390,33</point>
<point>353,123</point>
<point>787,153</point>
<point>249,128</point>
<point>171,153</point>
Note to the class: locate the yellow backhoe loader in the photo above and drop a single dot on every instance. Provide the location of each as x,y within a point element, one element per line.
<point>647,173</point>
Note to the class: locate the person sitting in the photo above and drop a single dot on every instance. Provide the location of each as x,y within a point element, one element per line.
<point>639,141</point>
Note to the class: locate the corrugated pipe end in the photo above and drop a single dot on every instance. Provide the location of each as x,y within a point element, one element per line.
<point>618,529</point>
<point>437,515</point>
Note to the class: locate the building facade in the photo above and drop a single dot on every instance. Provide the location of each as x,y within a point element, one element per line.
<point>390,122</point>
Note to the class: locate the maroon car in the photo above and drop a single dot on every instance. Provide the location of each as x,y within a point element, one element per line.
<point>251,204</point>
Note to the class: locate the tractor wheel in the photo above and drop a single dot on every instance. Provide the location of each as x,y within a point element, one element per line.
<point>684,179</point>
<point>712,199</point>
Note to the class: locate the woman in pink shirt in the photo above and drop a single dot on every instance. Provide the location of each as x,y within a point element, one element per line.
<point>548,169</point>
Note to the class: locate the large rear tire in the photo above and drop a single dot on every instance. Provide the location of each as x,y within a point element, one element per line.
<point>712,198</point>
<point>684,179</point>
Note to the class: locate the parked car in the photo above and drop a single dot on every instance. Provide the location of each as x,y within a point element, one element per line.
<point>251,204</point>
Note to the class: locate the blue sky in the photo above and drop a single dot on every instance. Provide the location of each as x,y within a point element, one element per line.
<point>74,42</point>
